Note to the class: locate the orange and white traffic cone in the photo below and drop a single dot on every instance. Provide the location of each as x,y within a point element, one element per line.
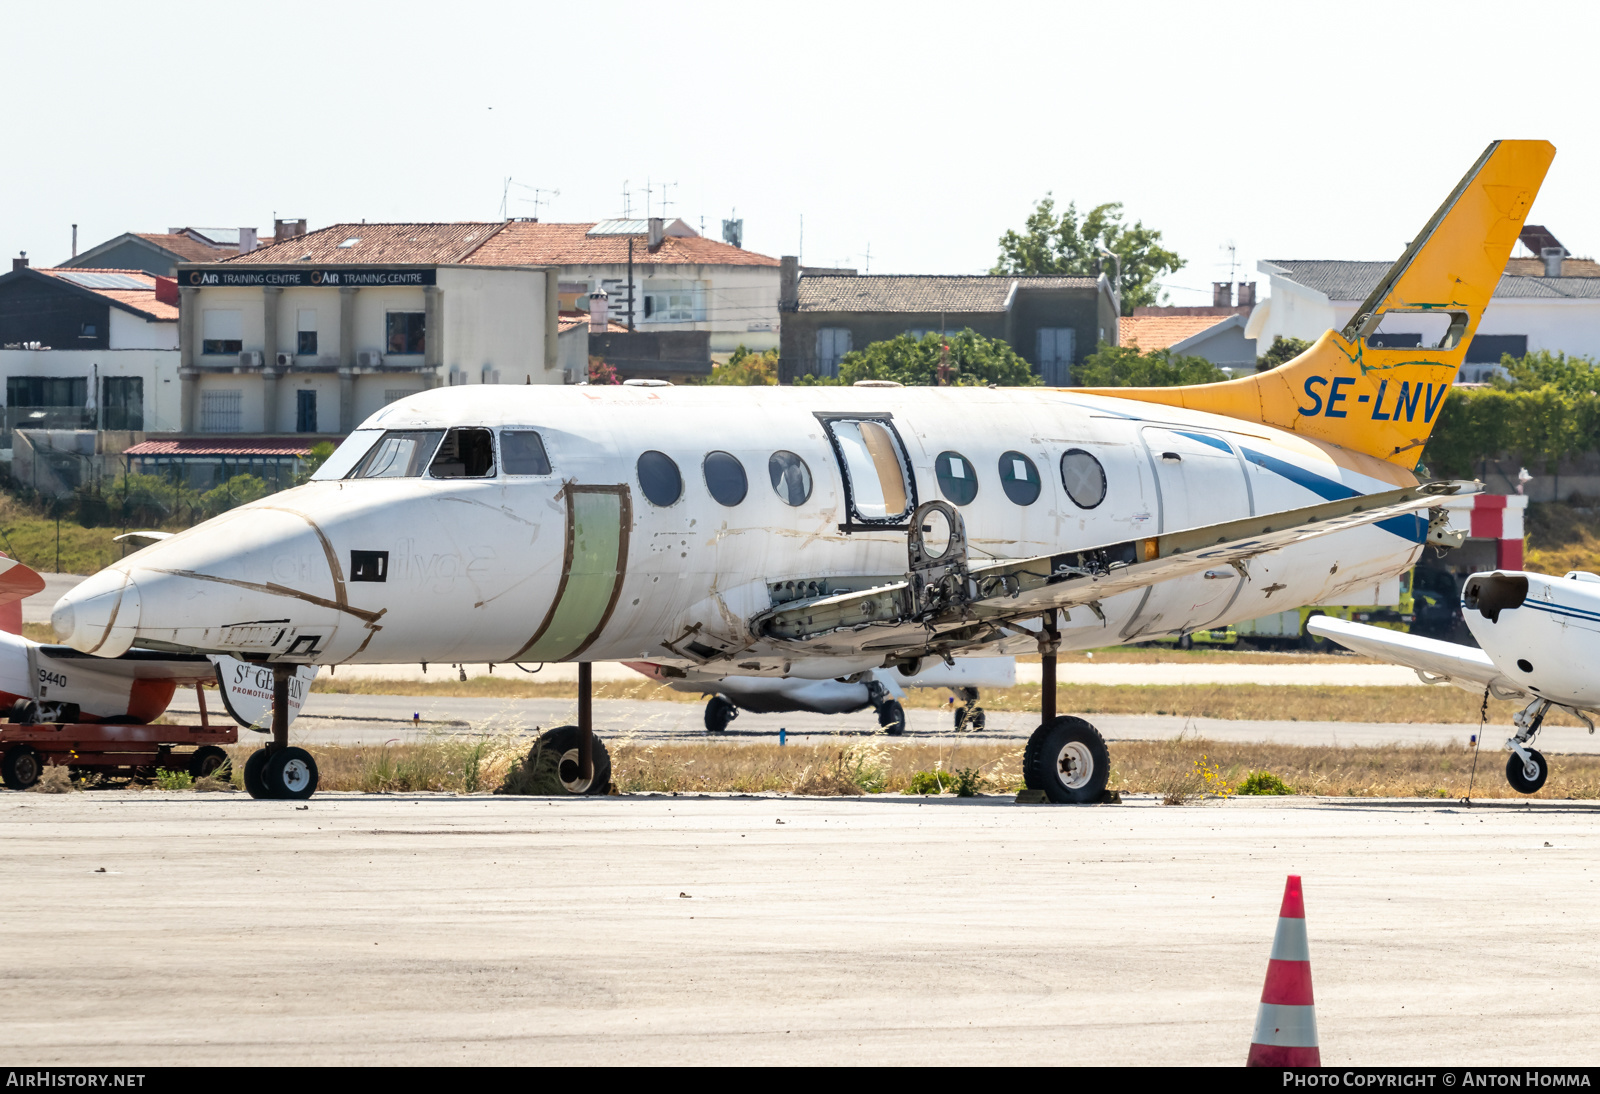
<point>1286,1024</point>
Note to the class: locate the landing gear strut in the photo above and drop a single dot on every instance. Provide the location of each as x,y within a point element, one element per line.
<point>969,715</point>
<point>569,759</point>
<point>1527,769</point>
<point>278,771</point>
<point>1066,757</point>
<point>891,715</point>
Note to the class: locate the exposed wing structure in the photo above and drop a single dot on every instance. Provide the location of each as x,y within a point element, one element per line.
<point>966,608</point>
<point>1437,662</point>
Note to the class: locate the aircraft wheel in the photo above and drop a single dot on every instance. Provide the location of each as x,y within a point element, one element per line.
<point>1527,778</point>
<point>1186,642</point>
<point>1068,760</point>
<point>719,712</point>
<point>290,773</point>
<point>253,784</point>
<point>892,717</point>
<point>21,766</point>
<point>1309,641</point>
<point>976,720</point>
<point>210,760</point>
<point>557,751</point>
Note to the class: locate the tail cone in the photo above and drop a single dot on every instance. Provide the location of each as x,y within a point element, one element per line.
<point>1286,1023</point>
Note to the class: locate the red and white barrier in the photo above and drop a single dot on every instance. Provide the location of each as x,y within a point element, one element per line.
<point>1492,516</point>
<point>1286,1023</point>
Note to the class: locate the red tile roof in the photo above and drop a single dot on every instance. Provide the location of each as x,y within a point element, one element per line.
<point>570,319</point>
<point>143,300</point>
<point>188,248</point>
<point>1153,332</point>
<point>493,243</point>
<point>251,446</point>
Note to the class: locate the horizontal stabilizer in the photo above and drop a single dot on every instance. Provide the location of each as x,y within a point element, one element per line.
<point>17,581</point>
<point>1444,662</point>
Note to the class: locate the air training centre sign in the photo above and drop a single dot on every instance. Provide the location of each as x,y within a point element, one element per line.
<point>292,279</point>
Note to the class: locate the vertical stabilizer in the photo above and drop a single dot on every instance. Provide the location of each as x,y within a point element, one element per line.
<point>1351,388</point>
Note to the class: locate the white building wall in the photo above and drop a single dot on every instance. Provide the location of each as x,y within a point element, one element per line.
<point>252,417</point>
<point>128,331</point>
<point>738,304</point>
<point>373,306</point>
<point>327,388</point>
<point>245,301</point>
<point>325,303</point>
<point>372,393</point>
<point>157,367</point>
<point>494,319</point>
<point>572,353</point>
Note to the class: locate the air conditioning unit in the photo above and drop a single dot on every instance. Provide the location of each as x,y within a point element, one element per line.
<point>490,375</point>
<point>250,358</point>
<point>369,358</point>
<point>458,375</point>
<point>285,360</point>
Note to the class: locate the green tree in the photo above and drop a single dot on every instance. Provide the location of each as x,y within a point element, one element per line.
<point>1281,351</point>
<point>1547,411</point>
<point>314,459</point>
<point>961,359</point>
<point>1062,244</point>
<point>748,368</point>
<point>234,493</point>
<point>1128,366</point>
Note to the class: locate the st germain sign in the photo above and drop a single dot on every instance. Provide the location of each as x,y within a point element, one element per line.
<point>307,279</point>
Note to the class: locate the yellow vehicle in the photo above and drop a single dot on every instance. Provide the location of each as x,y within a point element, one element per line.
<point>1289,628</point>
<point>1219,636</point>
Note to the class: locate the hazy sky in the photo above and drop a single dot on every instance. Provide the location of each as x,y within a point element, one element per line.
<point>922,131</point>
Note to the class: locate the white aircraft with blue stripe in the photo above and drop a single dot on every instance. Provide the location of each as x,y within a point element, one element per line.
<point>1539,639</point>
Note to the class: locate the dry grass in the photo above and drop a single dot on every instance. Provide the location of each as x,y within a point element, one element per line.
<point>54,779</point>
<point>1165,768</point>
<point>502,687</point>
<point>1561,538</point>
<point>1203,655</point>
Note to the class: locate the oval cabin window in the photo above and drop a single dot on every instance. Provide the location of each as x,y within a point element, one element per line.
<point>958,479</point>
<point>659,478</point>
<point>1019,478</point>
<point>1083,478</point>
<point>725,478</point>
<point>791,478</point>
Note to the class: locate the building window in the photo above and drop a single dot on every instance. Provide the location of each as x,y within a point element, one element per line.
<point>222,330</point>
<point>405,332</point>
<point>671,302</point>
<point>1055,349</point>
<point>1487,349</point>
<point>122,406</point>
<point>221,411</point>
<point>88,330</point>
<point>305,411</point>
<point>46,391</point>
<point>306,332</point>
<point>832,344</point>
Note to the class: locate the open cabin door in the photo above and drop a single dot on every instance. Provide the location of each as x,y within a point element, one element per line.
<point>879,489</point>
<point>1200,480</point>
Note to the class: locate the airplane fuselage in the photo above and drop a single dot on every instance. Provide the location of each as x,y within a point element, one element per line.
<point>661,519</point>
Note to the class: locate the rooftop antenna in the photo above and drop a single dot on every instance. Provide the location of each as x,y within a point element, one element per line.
<point>505,192</point>
<point>869,258</point>
<point>627,202</point>
<point>537,200</point>
<point>1233,258</point>
<point>664,201</point>
<point>648,193</point>
<point>800,251</point>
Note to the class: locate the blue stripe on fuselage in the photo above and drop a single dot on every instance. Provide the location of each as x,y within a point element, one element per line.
<point>1408,526</point>
<point>1204,438</point>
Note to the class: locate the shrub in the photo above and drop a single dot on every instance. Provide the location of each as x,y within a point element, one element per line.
<point>930,782</point>
<point>1262,782</point>
<point>174,780</point>
<point>957,358</point>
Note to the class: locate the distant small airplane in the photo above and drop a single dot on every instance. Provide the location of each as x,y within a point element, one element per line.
<point>1541,640</point>
<point>880,690</point>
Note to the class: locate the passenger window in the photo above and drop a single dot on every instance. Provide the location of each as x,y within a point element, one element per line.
<point>1019,478</point>
<point>659,478</point>
<point>1083,478</point>
<point>791,478</point>
<point>522,453</point>
<point>401,454</point>
<point>958,480</point>
<point>725,478</point>
<point>465,454</point>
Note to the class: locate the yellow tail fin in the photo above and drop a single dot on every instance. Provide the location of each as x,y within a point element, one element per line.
<point>1348,391</point>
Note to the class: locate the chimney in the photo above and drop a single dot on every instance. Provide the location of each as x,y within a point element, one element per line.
<point>1247,294</point>
<point>167,290</point>
<point>788,283</point>
<point>74,241</point>
<point>20,263</point>
<point>247,240</point>
<point>1552,260</point>
<point>658,231</point>
<point>599,312</point>
<point>1222,294</point>
<point>288,229</point>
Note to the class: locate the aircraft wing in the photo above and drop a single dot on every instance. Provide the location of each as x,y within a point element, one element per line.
<point>889,617</point>
<point>139,664</point>
<point>1437,662</point>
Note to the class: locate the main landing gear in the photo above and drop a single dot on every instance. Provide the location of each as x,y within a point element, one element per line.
<point>1066,757</point>
<point>278,771</point>
<point>719,712</point>
<point>969,715</point>
<point>572,757</point>
<point>891,715</point>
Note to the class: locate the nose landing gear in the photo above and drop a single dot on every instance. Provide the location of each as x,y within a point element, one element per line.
<point>278,771</point>
<point>1527,769</point>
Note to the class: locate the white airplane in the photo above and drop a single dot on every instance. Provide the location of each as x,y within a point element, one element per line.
<point>871,688</point>
<point>817,532</point>
<point>1540,639</point>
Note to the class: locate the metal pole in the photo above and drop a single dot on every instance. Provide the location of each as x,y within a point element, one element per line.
<point>1049,643</point>
<point>630,284</point>
<point>280,705</point>
<point>585,720</point>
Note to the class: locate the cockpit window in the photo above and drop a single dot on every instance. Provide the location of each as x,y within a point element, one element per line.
<point>400,454</point>
<point>522,453</point>
<point>347,455</point>
<point>465,454</point>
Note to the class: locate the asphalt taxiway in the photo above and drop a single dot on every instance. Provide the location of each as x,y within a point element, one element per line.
<point>147,928</point>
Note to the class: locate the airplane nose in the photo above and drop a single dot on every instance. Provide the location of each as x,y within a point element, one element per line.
<point>100,616</point>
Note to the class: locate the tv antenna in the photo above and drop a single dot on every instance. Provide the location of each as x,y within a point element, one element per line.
<point>664,201</point>
<point>1233,258</point>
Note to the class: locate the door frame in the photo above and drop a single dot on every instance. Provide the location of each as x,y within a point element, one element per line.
<point>866,524</point>
<point>625,525</point>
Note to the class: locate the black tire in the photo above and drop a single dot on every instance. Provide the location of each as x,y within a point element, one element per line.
<point>1068,760</point>
<point>562,743</point>
<point>290,774</point>
<point>1185,642</point>
<point>210,760</point>
<point>24,712</point>
<point>976,720</point>
<point>1518,778</point>
<point>252,774</point>
<point>719,712</point>
<point>21,766</point>
<point>1309,641</point>
<point>892,717</point>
